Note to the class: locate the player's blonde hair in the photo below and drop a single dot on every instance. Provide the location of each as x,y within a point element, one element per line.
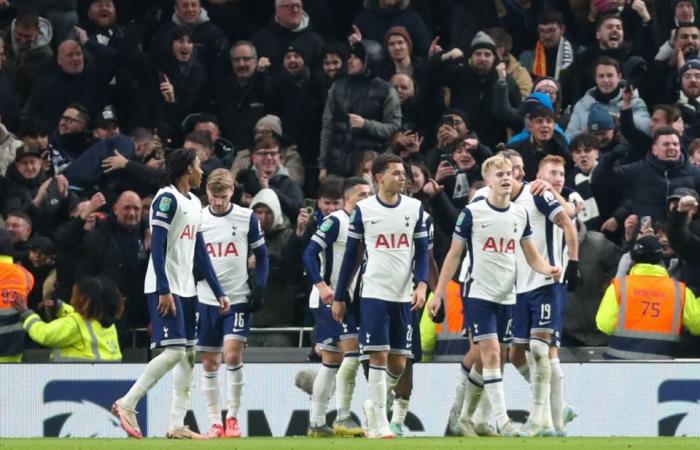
<point>219,180</point>
<point>551,159</point>
<point>495,162</point>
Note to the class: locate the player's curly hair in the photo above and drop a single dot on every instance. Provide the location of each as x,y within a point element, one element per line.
<point>176,165</point>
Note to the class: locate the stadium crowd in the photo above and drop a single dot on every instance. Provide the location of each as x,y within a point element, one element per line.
<point>294,96</point>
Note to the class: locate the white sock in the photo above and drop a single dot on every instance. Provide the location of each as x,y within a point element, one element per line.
<point>154,371</point>
<point>461,387</point>
<point>493,385</point>
<point>345,384</point>
<point>323,386</point>
<point>475,389</point>
<point>557,394</point>
<point>212,399</point>
<point>399,410</point>
<point>483,410</point>
<point>376,385</point>
<point>182,390</point>
<point>541,373</point>
<point>234,389</point>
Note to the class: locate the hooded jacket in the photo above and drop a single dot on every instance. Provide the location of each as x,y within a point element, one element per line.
<point>26,66</point>
<point>365,95</point>
<point>279,307</point>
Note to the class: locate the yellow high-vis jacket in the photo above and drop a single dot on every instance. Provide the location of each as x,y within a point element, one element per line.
<point>72,338</point>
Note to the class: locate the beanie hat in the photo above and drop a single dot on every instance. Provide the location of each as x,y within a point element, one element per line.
<point>599,119</point>
<point>693,63</point>
<point>534,101</point>
<point>482,40</point>
<point>298,49</point>
<point>272,123</point>
<point>359,50</point>
<point>401,31</point>
<point>647,250</point>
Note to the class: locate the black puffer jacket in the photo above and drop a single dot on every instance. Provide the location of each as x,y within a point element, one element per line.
<point>648,182</point>
<point>476,96</point>
<point>368,96</point>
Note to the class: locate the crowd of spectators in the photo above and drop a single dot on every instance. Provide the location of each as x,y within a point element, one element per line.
<point>292,95</point>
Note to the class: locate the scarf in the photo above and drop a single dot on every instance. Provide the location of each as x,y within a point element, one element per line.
<point>565,56</point>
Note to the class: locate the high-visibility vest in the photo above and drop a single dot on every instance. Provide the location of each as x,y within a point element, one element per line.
<point>96,343</point>
<point>450,333</point>
<point>649,319</point>
<point>15,281</point>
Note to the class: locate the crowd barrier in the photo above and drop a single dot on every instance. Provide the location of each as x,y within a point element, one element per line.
<point>611,399</point>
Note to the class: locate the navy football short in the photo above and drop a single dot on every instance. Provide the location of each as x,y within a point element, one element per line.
<point>215,328</point>
<point>385,326</point>
<point>488,320</point>
<point>537,311</point>
<point>328,331</point>
<point>174,330</point>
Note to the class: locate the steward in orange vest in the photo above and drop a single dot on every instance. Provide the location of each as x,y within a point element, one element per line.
<point>644,311</point>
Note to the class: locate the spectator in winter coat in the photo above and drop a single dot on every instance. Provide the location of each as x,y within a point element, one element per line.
<point>381,15</point>
<point>239,100</point>
<point>209,40</point>
<point>74,80</point>
<point>650,180</point>
<point>608,93</point>
<point>45,199</point>
<point>543,141</point>
<point>290,25</point>
<point>473,87</point>
<point>28,53</point>
<point>361,113</point>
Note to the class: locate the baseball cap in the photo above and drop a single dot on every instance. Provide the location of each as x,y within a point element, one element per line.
<point>682,192</point>
<point>27,150</point>
<point>42,244</point>
<point>106,118</point>
<point>647,250</point>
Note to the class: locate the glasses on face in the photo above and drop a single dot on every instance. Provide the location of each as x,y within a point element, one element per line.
<point>266,153</point>
<point>71,119</point>
<point>292,6</point>
<point>550,92</point>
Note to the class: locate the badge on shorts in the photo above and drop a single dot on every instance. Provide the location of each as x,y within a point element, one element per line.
<point>164,204</point>
<point>326,225</point>
<point>460,219</point>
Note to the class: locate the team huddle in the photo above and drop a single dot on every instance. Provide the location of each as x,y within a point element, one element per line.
<point>372,268</point>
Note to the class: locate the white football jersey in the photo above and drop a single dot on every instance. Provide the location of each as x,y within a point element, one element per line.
<point>228,238</point>
<point>492,236</point>
<point>542,209</point>
<point>388,232</point>
<point>181,216</point>
<point>332,236</point>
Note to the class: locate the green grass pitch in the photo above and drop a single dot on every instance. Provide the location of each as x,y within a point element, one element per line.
<point>677,443</point>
